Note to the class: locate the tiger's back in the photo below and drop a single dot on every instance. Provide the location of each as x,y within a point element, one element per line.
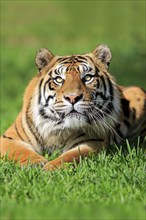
<point>74,105</point>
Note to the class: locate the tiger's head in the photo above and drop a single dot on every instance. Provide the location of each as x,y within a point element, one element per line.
<point>76,91</point>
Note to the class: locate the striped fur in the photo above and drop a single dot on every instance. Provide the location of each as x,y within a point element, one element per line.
<point>73,105</point>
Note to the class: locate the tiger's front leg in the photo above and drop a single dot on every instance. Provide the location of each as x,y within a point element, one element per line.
<point>73,155</point>
<point>19,151</point>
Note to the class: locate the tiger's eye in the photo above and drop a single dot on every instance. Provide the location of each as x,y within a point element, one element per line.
<point>58,79</point>
<point>87,78</point>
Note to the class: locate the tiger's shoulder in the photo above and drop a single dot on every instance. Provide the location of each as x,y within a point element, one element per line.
<point>133,116</point>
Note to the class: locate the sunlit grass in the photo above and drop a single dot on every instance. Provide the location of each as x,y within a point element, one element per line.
<point>110,181</point>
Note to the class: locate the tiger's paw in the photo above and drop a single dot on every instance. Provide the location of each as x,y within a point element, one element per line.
<point>50,167</point>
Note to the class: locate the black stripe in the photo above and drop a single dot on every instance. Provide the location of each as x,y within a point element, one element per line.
<point>126,123</point>
<point>50,73</point>
<point>57,73</point>
<point>102,96</point>
<point>134,113</point>
<point>109,108</point>
<point>31,126</point>
<point>44,88</point>
<point>26,116</point>
<point>83,58</point>
<point>66,62</point>
<point>43,114</point>
<point>70,59</point>
<point>62,59</point>
<point>49,97</point>
<point>80,60</point>
<point>18,132</point>
<point>74,59</point>
<point>81,142</point>
<point>25,132</point>
<point>48,82</point>
<point>90,59</point>
<point>119,133</point>
<point>108,64</point>
<point>125,107</point>
<point>110,105</point>
<point>110,88</point>
<point>4,136</point>
<point>96,71</point>
<point>100,106</point>
<point>81,135</point>
<point>40,84</point>
<point>103,83</point>
<point>117,126</point>
<point>143,90</point>
<point>34,131</point>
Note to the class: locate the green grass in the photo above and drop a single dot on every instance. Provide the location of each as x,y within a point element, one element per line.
<point>109,186</point>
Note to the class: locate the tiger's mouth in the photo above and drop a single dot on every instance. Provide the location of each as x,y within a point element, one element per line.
<point>75,116</point>
<point>79,113</point>
<point>73,112</point>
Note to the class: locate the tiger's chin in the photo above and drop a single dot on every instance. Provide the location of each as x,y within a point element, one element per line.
<point>81,122</point>
<point>75,120</point>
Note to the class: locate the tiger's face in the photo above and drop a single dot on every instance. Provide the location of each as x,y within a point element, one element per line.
<point>77,90</point>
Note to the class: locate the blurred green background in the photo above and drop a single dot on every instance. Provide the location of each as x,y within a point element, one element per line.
<point>68,27</point>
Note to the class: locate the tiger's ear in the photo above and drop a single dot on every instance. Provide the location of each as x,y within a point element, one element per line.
<point>43,58</point>
<point>103,53</point>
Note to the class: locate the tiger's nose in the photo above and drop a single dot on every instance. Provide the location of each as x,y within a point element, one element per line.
<point>73,98</point>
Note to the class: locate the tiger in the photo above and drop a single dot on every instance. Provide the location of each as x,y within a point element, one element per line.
<point>74,105</point>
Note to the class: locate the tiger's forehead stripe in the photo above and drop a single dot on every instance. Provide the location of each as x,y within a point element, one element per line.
<point>72,59</point>
<point>81,68</point>
<point>80,62</point>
